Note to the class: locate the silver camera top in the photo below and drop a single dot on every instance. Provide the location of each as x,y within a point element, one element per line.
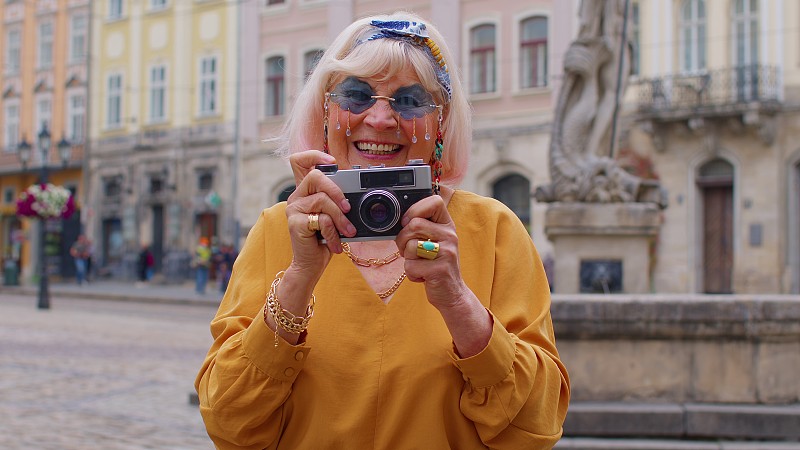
<point>414,175</point>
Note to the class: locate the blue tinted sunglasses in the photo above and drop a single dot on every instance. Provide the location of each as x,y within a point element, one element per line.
<point>357,96</point>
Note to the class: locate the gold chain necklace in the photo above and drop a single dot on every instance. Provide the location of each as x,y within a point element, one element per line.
<point>394,287</point>
<point>368,262</point>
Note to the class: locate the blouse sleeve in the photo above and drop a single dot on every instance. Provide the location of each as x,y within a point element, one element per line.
<point>516,390</point>
<point>244,367</point>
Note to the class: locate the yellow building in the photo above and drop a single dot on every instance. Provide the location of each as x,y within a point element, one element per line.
<point>163,129</point>
<point>43,77</point>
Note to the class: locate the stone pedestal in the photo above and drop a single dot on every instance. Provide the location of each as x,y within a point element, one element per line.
<point>608,245</point>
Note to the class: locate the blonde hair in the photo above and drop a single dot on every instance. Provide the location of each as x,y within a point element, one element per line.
<point>349,56</point>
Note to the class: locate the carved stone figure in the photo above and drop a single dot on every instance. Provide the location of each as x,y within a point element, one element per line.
<point>581,165</point>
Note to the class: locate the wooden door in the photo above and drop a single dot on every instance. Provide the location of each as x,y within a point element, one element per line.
<point>718,239</point>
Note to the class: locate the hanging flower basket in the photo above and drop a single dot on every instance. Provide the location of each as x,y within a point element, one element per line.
<point>46,201</point>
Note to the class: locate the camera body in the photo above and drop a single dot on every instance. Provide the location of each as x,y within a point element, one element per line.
<point>379,196</point>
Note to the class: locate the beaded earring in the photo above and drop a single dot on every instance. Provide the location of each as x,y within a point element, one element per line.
<point>436,158</point>
<point>325,106</point>
<point>414,132</point>
<point>348,132</point>
<point>338,124</point>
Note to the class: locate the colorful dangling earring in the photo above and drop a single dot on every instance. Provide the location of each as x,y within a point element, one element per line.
<point>325,123</point>
<point>338,125</point>
<point>348,132</point>
<point>427,133</point>
<point>436,158</point>
<point>414,133</point>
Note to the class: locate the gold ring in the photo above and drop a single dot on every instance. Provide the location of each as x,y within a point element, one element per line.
<point>313,222</point>
<point>427,249</point>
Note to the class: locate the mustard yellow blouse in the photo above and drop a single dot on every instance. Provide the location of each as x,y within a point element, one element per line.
<point>384,376</point>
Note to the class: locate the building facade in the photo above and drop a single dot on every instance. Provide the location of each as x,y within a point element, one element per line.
<point>710,110</point>
<point>44,78</point>
<point>715,110</point>
<point>164,129</point>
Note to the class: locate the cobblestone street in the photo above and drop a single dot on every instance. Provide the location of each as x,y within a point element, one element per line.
<point>94,374</point>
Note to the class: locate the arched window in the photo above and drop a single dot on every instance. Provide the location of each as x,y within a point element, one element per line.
<point>284,195</point>
<point>514,191</point>
<point>275,84</point>
<point>482,59</point>
<point>310,60</point>
<point>693,36</point>
<point>533,52</point>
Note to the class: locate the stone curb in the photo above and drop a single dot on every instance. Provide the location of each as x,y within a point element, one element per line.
<point>129,296</point>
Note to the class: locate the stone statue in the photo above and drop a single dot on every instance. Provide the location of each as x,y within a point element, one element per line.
<point>582,168</point>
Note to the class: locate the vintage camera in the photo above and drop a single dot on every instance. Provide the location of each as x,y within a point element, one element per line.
<point>379,196</point>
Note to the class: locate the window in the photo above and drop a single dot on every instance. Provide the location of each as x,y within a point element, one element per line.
<point>9,195</point>
<point>13,45</point>
<point>76,117</point>
<point>45,45</point>
<point>208,85</point>
<point>43,114</point>
<point>310,60</point>
<point>514,191</point>
<point>745,22</point>
<point>11,128</point>
<point>114,9</point>
<point>158,4</point>
<point>77,42</point>
<point>156,184</point>
<point>275,2</point>
<point>533,52</point>
<point>482,59</point>
<point>158,92</point>
<point>114,101</point>
<point>275,86</point>
<point>205,180</point>
<point>745,29</point>
<point>635,39</point>
<point>693,36</point>
<point>112,186</point>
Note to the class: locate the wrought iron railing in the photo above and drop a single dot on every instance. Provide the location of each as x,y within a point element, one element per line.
<point>714,88</point>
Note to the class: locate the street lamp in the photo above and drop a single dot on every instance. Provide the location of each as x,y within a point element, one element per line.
<point>44,144</point>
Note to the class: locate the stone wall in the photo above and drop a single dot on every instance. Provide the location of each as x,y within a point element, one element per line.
<point>634,358</point>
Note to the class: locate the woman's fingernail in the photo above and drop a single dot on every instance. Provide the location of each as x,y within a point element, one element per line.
<point>404,221</point>
<point>345,205</point>
<point>351,230</point>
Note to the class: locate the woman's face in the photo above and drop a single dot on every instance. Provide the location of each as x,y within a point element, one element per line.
<point>381,132</point>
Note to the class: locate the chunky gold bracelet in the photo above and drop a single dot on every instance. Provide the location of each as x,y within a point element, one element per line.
<point>283,318</point>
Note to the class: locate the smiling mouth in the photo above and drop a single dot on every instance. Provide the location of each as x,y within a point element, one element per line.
<point>377,149</point>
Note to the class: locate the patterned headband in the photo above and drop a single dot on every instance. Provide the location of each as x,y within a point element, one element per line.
<point>417,34</point>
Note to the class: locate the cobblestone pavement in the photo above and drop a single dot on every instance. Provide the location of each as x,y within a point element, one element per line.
<point>93,374</point>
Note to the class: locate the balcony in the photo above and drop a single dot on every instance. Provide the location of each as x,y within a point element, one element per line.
<point>747,96</point>
<point>715,93</point>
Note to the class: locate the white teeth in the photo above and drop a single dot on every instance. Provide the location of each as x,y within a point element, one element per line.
<point>376,149</point>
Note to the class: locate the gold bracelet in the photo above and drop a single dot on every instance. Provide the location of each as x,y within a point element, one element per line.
<point>283,318</point>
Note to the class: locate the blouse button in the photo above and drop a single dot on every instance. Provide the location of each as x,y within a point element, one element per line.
<point>299,356</point>
<point>288,372</point>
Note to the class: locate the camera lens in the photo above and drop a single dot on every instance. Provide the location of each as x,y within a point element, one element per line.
<point>379,210</point>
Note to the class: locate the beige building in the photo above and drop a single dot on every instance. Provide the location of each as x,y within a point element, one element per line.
<point>164,131</point>
<point>714,108</point>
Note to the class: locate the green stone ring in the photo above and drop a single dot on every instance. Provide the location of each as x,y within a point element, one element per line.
<point>427,249</point>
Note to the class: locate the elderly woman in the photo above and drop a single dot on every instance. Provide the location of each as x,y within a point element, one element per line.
<point>438,337</point>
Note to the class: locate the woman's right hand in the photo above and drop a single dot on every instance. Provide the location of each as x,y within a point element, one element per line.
<point>315,194</point>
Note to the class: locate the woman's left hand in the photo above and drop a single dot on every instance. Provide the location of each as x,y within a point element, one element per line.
<point>429,219</point>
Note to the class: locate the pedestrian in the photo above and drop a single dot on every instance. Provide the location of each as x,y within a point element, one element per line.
<point>80,252</point>
<point>439,337</point>
<point>201,263</point>
<point>146,263</point>
<point>227,256</point>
